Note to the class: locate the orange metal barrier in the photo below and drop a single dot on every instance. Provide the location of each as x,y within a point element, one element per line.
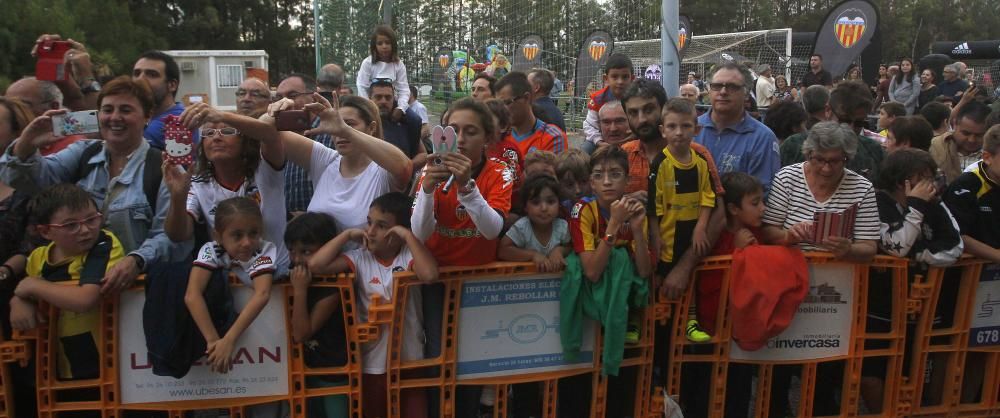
<point>955,371</point>
<point>966,377</point>
<point>830,385</point>
<point>443,373</point>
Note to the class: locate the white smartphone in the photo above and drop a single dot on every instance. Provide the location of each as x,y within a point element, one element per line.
<point>75,123</point>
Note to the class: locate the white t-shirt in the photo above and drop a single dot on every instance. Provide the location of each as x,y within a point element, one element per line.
<point>212,256</point>
<point>371,277</point>
<point>267,188</point>
<point>523,236</point>
<point>346,199</point>
<point>394,71</point>
<point>791,202</point>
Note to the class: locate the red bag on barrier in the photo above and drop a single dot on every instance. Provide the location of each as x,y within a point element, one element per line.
<point>767,284</point>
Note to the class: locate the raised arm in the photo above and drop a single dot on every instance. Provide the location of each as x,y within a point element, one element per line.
<point>382,152</point>
<point>424,264</point>
<point>271,148</point>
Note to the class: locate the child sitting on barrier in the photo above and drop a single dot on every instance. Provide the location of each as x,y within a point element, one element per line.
<point>541,237</point>
<point>317,318</point>
<point>79,251</point>
<point>389,247</point>
<point>238,248</point>
<point>680,191</point>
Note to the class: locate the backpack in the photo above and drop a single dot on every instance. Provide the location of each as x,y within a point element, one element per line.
<point>150,178</point>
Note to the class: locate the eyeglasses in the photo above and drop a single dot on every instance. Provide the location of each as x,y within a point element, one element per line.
<point>613,175</point>
<point>210,132</point>
<point>292,95</point>
<point>508,102</point>
<point>253,93</point>
<point>832,162</point>
<point>92,222</point>
<point>728,86</point>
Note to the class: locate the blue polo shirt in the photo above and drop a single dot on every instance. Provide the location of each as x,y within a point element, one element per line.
<point>749,147</point>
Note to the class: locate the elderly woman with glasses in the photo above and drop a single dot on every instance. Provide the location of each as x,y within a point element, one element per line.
<point>823,183</point>
<point>120,172</point>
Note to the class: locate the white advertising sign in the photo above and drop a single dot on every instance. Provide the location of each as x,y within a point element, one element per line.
<point>985,327</point>
<point>260,358</point>
<point>510,326</point>
<point>822,324</point>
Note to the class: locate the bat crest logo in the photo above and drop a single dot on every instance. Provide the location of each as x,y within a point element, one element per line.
<point>597,49</point>
<point>530,50</point>
<point>849,28</point>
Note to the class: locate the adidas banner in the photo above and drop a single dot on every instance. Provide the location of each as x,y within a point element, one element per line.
<point>847,30</point>
<point>590,65</point>
<point>975,50</point>
<point>529,53</point>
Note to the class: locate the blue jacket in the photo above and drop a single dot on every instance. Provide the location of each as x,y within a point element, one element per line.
<point>137,224</point>
<point>749,147</point>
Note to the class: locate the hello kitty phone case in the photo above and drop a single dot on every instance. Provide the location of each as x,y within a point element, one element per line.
<point>443,141</point>
<point>179,141</point>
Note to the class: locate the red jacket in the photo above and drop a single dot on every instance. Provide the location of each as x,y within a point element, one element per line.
<point>767,285</point>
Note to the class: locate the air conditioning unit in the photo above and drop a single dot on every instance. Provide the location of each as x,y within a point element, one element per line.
<point>188,66</point>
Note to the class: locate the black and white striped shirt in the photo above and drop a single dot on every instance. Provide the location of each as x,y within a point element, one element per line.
<point>791,202</point>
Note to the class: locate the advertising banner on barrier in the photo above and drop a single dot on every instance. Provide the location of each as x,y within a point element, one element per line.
<point>822,324</point>
<point>985,327</point>
<point>510,326</point>
<point>260,358</point>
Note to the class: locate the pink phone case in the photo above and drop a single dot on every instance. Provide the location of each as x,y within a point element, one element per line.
<point>179,142</point>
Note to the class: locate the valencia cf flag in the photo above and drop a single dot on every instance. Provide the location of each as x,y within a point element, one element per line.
<point>847,30</point>
<point>590,65</point>
<point>528,54</point>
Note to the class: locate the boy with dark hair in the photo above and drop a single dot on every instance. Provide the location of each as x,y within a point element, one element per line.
<point>618,73</point>
<point>316,320</point>
<point>80,251</point>
<point>887,113</point>
<point>909,132</point>
<point>681,194</point>
<point>937,114</point>
<point>388,247</point>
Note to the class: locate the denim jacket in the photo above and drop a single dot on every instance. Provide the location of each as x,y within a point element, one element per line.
<point>138,226</point>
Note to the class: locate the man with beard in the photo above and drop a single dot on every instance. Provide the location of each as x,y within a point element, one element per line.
<point>252,97</point>
<point>737,141</point>
<point>161,72</point>
<point>404,134</point>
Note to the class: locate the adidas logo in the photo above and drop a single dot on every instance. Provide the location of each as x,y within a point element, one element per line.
<point>962,49</point>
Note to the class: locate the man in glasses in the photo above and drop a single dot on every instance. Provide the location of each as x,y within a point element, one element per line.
<point>849,104</point>
<point>252,97</point>
<point>737,141</point>
<point>527,131</point>
<point>298,188</point>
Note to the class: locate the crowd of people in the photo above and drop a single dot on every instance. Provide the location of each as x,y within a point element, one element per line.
<point>655,187</point>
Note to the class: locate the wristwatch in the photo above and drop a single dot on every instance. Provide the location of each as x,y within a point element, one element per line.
<point>139,262</point>
<point>467,187</point>
<point>609,238</point>
<point>90,87</point>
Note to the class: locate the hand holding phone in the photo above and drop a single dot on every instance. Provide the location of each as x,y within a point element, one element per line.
<point>178,141</point>
<point>51,65</point>
<point>75,123</point>
<point>292,120</point>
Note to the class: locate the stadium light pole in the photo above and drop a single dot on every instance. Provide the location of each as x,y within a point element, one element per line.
<point>669,55</point>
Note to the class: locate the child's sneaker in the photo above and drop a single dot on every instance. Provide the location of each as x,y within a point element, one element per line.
<point>632,333</point>
<point>695,334</point>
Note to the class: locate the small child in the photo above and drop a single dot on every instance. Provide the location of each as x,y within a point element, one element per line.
<point>541,237</point>
<point>317,322</point>
<point>680,191</point>
<point>239,248</point>
<point>618,74</point>
<point>389,247</point>
<point>79,251</point>
<point>383,63</point>
<point>540,162</point>
<point>744,203</point>
<point>609,217</point>
<point>573,172</point>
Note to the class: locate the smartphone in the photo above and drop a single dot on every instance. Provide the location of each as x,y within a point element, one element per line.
<point>328,95</point>
<point>178,142</point>
<point>75,123</point>
<point>50,65</point>
<point>292,120</point>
